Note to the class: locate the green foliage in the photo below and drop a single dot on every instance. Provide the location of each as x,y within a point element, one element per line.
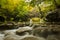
<point>13,9</point>
<point>22,11</point>
<point>44,5</point>
<point>47,6</point>
<point>35,2</point>
<point>58,2</point>
<point>17,10</point>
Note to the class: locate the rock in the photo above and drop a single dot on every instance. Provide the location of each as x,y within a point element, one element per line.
<point>31,37</point>
<point>53,17</point>
<point>12,37</point>
<point>23,30</point>
<point>41,32</point>
<point>52,37</point>
<point>26,37</point>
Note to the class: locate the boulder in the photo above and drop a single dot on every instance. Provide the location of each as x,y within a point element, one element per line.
<point>31,37</point>
<point>12,37</point>
<point>52,37</point>
<point>41,32</point>
<point>23,30</point>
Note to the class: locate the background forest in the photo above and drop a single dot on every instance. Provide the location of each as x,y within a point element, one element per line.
<point>24,10</point>
<point>29,19</point>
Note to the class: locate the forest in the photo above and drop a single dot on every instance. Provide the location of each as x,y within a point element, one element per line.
<point>29,19</point>
<point>24,10</point>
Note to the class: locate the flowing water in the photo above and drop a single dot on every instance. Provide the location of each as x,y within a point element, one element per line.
<point>10,35</point>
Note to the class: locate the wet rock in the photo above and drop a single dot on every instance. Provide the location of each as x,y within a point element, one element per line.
<point>12,37</point>
<point>26,37</point>
<point>24,30</point>
<point>52,37</point>
<point>53,17</point>
<point>41,32</point>
<point>8,25</point>
<point>30,37</point>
